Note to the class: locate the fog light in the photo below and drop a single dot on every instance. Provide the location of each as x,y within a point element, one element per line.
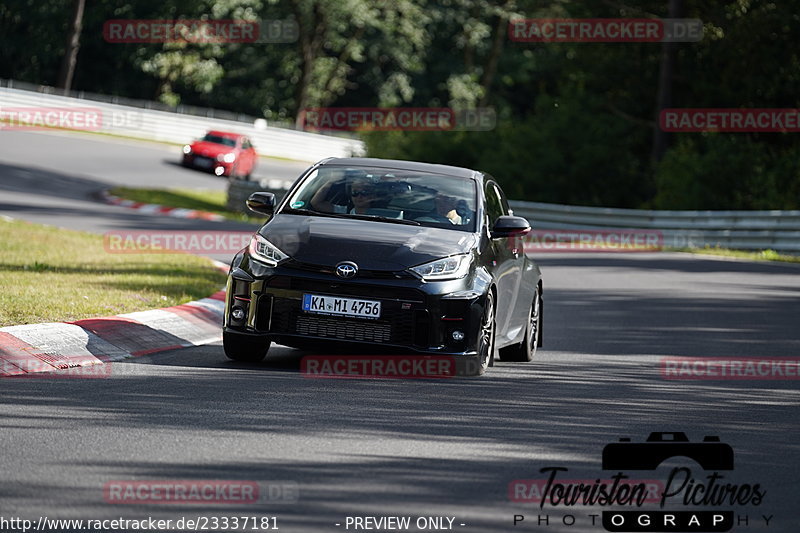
<point>458,335</point>
<point>237,313</point>
<point>219,171</point>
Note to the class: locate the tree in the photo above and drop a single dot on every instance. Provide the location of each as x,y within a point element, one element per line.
<point>72,47</point>
<point>336,34</point>
<point>665,79</point>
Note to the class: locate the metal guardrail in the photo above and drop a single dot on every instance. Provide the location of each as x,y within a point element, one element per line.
<point>171,126</point>
<point>182,109</point>
<point>745,230</point>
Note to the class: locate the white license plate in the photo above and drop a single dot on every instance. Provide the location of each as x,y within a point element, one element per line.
<point>336,305</point>
<point>202,162</point>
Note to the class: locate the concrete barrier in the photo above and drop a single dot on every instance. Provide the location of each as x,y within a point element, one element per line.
<point>744,230</point>
<point>139,119</point>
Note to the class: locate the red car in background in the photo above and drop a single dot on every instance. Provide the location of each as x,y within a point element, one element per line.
<point>224,153</point>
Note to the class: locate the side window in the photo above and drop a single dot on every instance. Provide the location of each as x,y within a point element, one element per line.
<point>246,143</point>
<point>503,201</point>
<point>494,202</point>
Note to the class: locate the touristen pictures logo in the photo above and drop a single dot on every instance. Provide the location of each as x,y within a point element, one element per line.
<point>710,500</point>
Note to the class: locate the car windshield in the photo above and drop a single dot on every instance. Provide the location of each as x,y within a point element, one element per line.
<point>219,139</point>
<point>388,195</point>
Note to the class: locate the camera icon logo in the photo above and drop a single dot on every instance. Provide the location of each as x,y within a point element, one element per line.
<point>711,454</point>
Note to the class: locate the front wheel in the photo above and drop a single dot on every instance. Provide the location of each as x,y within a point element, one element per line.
<point>524,351</point>
<point>244,347</point>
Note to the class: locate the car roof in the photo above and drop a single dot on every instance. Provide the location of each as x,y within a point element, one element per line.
<point>225,133</point>
<point>397,164</point>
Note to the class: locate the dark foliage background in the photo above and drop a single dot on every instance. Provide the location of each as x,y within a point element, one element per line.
<point>576,121</point>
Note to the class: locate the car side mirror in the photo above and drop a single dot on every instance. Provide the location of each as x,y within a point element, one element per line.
<point>262,203</point>
<point>506,226</point>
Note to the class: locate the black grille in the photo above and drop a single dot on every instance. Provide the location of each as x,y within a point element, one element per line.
<point>364,330</point>
<point>396,325</point>
<point>264,312</point>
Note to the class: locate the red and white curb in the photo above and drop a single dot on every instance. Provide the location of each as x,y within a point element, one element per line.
<point>155,209</point>
<point>58,346</point>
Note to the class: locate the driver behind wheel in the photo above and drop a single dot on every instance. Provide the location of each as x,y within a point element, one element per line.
<point>446,208</point>
<point>334,196</point>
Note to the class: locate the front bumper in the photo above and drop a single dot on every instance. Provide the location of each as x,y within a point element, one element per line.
<point>415,316</point>
<point>209,164</point>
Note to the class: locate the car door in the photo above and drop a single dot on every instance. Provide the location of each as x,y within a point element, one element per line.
<point>508,264</point>
<point>241,156</point>
<point>522,297</point>
<point>250,156</point>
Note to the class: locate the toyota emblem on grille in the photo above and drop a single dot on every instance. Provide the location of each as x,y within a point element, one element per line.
<point>346,269</point>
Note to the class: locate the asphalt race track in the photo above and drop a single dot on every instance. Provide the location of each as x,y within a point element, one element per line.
<point>52,179</point>
<point>421,448</point>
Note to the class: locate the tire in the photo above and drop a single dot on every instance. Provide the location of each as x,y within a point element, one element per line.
<point>486,349</point>
<point>525,350</point>
<point>244,347</point>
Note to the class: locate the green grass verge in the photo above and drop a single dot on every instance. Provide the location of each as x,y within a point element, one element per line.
<point>201,200</point>
<point>55,275</point>
<point>763,255</point>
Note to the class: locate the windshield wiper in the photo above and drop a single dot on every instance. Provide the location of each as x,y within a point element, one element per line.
<point>295,211</point>
<point>384,219</point>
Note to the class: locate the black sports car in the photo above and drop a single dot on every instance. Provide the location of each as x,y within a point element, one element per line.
<point>416,257</point>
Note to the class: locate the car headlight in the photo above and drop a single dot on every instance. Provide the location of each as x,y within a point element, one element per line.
<point>453,267</point>
<point>266,252</point>
<point>187,149</point>
<point>228,158</point>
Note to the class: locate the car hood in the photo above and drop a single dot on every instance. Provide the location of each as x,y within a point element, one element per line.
<point>210,149</point>
<point>371,245</point>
